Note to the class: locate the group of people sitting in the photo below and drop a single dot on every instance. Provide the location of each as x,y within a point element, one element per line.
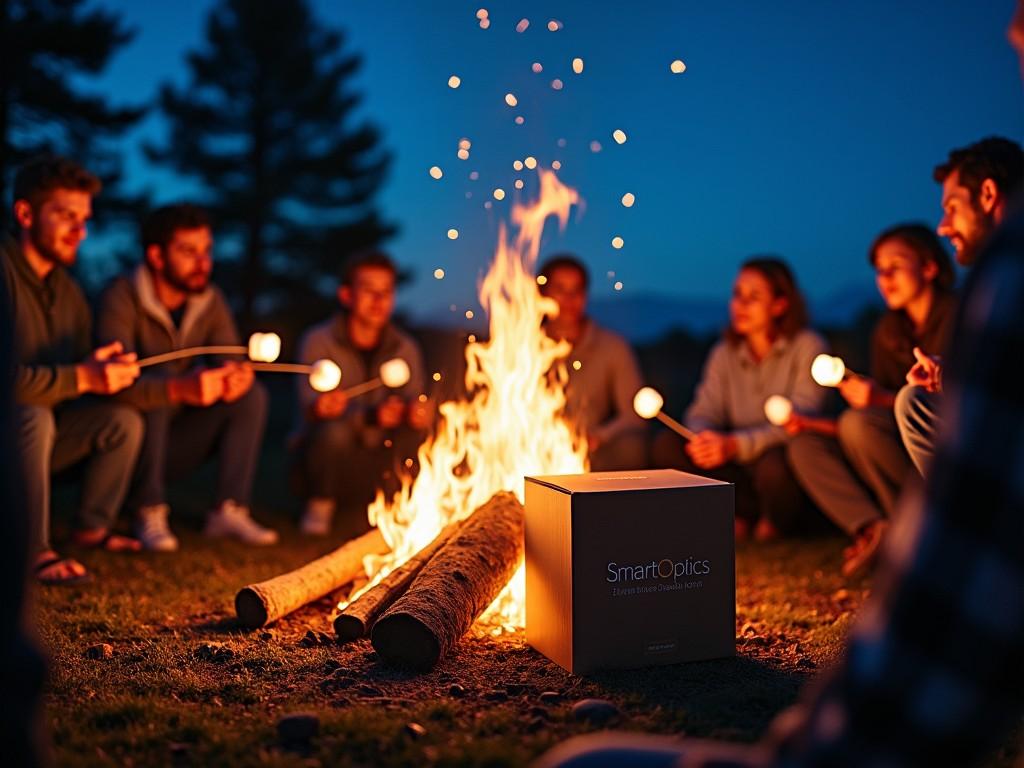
<point>84,403</point>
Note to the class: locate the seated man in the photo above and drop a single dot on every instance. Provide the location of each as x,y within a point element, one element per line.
<point>603,374</point>
<point>856,470</point>
<point>977,184</point>
<point>58,427</point>
<point>382,425</point>
<point>191,412</point>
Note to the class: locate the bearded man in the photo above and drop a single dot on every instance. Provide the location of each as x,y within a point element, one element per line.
<point>192,412</point>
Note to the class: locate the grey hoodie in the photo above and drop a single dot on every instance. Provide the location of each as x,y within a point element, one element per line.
<point>130,312</point>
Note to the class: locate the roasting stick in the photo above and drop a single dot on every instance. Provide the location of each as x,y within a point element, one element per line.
<point>263,348</point>
<point>648,404</point>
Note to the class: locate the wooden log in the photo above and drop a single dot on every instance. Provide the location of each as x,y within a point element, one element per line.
<point>358,618</point>
<point>454,588</point>
<point>259,604</point>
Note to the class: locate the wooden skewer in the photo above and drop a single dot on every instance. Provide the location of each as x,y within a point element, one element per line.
<point>180,354</point>
<point>361,389</point>
<point>676,427</point>
<point>282,368</point>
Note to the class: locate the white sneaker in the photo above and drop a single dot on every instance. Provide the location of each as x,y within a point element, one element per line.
<point>152,529</point>
<point>316,520</point>
<point>232,520</point>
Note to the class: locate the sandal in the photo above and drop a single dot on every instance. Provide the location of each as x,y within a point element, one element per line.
<point>111,542</point>
<point>61,581</point>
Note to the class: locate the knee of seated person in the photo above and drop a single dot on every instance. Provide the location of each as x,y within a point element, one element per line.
<point>37,423</point>
<point>335,436</point>
<point>771,471</point>
<point>124,425</point>
<point>853,427</point>
<point>255,402</point>
<point>908,405</point>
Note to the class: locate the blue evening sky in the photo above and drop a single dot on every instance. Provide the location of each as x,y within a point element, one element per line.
<point>799,128</point>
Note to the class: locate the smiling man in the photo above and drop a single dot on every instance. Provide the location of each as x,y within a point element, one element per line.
<point>192,412</point>
<point>59,426</point>
<point>978,182</point>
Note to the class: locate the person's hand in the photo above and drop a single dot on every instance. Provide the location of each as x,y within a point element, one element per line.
<point>594,443</point>
<point>421,414</point>
<point>857,391</point>
<point>237,381</point>
<point>107,370</point>
<point>200,388</point>
<point>390,412</point>
<point>796,424</point>
<point>926,372</point>
<point>330,405</point>
<point>710,449</point>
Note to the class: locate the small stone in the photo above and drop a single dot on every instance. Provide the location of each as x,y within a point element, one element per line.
<point>807,663</point>
<point>415,730</point>
<point>541,712</point>
<point>457,691</point>
<point>370,656</point>
<point>536,724</point>
<point>515,689</point>
<point>370,690</point>
<point>266,635</point>
<point>310,639</point>
<point>332,664</point>
<point>595,711</point>
<point>496,696</point>
<point>215,652</point>
<point>326,639</point>
<point>100,652</point>
<point>297,729</point>
<point>550,697</point>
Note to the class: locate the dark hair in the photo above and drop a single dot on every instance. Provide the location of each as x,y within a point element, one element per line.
<point>377,259</point>
<point>996,158</point>
<point>159,226</point>
<point>565,261</point>
<point>923,241</point>
<point>783,285</point>
<point>40,176</point>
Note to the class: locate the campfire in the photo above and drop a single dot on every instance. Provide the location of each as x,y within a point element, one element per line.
<point>447,547</point>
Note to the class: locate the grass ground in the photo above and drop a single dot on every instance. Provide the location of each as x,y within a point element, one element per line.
<point>184,685</point>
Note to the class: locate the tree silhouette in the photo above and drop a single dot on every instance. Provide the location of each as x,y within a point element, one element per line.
<point>266,125</point>
<point>45,45</point>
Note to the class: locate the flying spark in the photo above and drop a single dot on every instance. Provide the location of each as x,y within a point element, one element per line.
<point>677,67</point>
<point>499,194</point>
<point>530,162</point>
<point>436,172</point>
<point>453,234</point>
<point>511,100</point>
<point>522,25</point>
<point>628,199</point>
<point>454,81</point>
<point>577,65</point>
<point>617,242</point>
<point>439,274</point>
<point>619,136</point>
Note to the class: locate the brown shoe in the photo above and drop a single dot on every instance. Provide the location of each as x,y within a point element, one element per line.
<point>861,557</point>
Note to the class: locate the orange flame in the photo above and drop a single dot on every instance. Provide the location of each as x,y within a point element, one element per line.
<point>511,426</point>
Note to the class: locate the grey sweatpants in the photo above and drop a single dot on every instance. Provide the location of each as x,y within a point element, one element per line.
<point>855,477</point>
<point>106,436</point>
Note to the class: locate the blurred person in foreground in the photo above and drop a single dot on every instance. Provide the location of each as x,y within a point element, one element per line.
<point>603,373</point>
<point>932,672</point>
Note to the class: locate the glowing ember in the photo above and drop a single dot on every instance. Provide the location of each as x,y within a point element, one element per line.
<point>469,314</point>
<point>517,165</point>
<point>557,165</point>
<point>520,119</point>
<point>522,25</point>
<point>435,377</point>
<point>488,205</point>
<point>325,376</point>
<point>648,403</point>
<point>463,154</point>
<point>482,13</point>
<point>530,162</point>
<point>542,280</point>
<point>518,184</point>
<point>499,194</point>
<point>778,409</point>
<point>264,347</point>
<point>561,143</point>
<point>677,67</point>
<point>453,234</point>
<point>511,100</point>
<point>619,136</point>
<point>465,143</point>
<point>557,84</point>
<point>618,286</point>
<point>827,370</point>
<point>554,25</point>
<point>577,65</point>
<point>439,274</point>
<point>511,423</point>
<point>628,199</point>
<point>436,172</point>
<point>537,67</point>
<point>395,373</point>
<point>595,146</point>
<point>577,365</point>
<point>617,242</point>
<point>485,23</point>
<point>454,81</point>
<point>474,175</point>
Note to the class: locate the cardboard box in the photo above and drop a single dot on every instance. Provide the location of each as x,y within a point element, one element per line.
<point>630,569</point>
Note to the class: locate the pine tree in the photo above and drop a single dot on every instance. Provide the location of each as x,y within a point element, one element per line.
<point>267,126</point>
<point>46,45</point>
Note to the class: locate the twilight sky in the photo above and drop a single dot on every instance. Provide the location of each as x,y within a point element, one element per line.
<point>800,127</point>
